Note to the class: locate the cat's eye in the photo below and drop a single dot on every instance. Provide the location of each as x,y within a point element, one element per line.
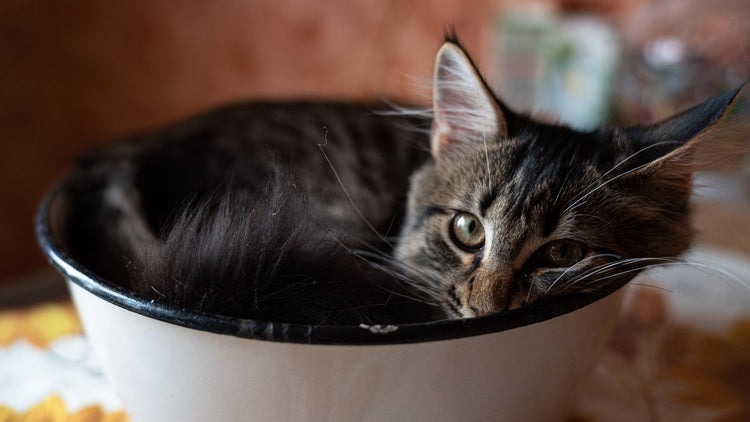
<point>467,231</point>
<point>561,253</point>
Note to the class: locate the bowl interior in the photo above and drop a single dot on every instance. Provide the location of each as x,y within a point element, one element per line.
<point>55,231</point>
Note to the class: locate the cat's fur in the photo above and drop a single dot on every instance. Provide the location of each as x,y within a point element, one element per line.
<point>308,213</point>
<point>239,212</point>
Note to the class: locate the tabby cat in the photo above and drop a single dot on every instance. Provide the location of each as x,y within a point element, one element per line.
<point>332,213</point>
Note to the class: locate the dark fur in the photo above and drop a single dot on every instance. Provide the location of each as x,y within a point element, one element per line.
<point>240,212</point>
<point>248,217</point>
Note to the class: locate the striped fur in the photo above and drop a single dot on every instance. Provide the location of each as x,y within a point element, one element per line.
<point>331,213</point>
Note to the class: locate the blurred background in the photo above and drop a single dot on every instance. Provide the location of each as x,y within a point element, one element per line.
<point>74,74</point>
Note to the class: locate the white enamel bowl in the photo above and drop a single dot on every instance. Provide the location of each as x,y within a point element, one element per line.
<point>169,364</point>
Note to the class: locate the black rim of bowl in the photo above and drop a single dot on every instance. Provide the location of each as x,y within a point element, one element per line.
<point>294,333</point>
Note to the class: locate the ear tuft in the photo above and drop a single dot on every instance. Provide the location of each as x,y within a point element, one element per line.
<point>450,36</point>
<point>687,125</point>
<point>465,110</point>
<point>700,138</point>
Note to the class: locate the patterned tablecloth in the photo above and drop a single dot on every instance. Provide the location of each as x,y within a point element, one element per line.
<point>47,369</point>
<point>679,352</point>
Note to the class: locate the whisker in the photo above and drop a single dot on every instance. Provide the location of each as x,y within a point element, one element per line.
<point>392,292</point>
<point>608,181</point>
<point>716,270</point>
<point>346,192</point>
<point>426,301</point>
<point>388,259</point>
<point>573,266</point>
<point>375,253</point>
<point>628,271</point>
<point>628,158</point>
<point>652,286</point>
<point>606,267</point>
<point>399,110</point>
<point>421,117</point>
<point>603,268</point>
<point>711,269</point>
<point>397,276</point>
<point>487,159</point>
<point>560,189</point>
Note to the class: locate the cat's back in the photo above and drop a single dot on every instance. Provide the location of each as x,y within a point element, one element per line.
<point>208,197</point>
<point>323,145</point>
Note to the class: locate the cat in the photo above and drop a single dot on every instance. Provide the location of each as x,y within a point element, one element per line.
<point>335,213</point>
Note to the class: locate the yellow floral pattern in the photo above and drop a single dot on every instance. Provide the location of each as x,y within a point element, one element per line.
<point>53,410</point>
<point>39,325</point>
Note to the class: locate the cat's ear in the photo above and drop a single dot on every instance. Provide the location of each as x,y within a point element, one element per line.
<point>685,129</point>
<point>464,108</point>
<point>697,139</point>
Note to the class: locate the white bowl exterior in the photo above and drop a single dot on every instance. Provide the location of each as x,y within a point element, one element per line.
<point>166,372</point>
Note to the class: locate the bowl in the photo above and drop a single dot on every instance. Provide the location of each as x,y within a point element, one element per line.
<point>173,364</point>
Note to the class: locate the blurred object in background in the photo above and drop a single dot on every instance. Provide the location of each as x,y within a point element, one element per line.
<point>583,68</point>
<point>680,52</point>
<point>588,63</point>
<point>592,62</point>
<point>523,33</point>
<point>559,65</point>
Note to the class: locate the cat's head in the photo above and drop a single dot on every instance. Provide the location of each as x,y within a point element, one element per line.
<point>510,210</point>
